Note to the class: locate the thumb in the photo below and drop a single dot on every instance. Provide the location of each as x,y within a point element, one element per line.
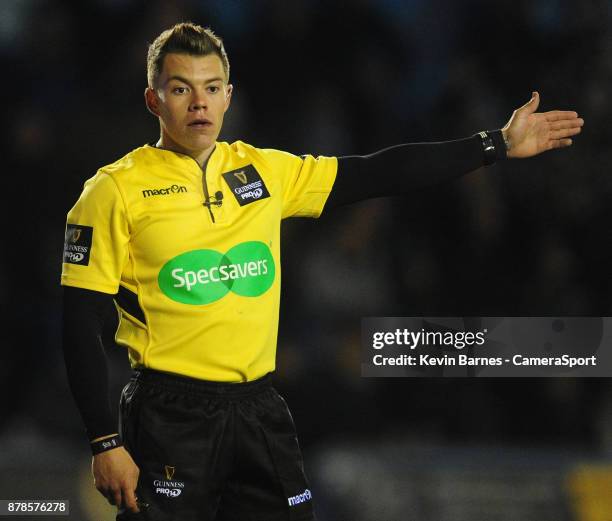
<point>532,105</point>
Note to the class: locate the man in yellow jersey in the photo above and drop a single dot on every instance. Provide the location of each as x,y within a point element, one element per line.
<point>184,237</point>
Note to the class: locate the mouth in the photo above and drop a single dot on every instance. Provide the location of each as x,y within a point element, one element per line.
<point>200,123</point>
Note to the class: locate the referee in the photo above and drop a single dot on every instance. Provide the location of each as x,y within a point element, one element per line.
<point>182,236</point>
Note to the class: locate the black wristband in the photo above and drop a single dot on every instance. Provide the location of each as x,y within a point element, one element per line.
<point>494,146</point>
<point>106,444</point>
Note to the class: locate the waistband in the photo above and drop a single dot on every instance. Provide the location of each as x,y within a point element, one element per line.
<point>182,383</point>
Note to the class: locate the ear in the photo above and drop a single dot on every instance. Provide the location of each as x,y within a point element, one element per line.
<point>228,96</point>
<point>151,101</point>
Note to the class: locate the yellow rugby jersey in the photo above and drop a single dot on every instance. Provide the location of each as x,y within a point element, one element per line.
<point>197,285</point>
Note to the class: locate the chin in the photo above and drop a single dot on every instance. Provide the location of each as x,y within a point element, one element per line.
<point>200,145</point>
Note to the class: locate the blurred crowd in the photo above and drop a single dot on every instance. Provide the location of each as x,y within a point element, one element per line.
<point>521,238</point>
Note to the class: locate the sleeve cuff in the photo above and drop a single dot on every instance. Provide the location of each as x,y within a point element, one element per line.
<point>500,144</point>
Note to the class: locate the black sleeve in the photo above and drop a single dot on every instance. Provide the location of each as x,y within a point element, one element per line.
<point>402,168</point>
<point>86,365</point>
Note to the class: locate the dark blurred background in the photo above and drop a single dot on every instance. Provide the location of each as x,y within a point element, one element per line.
<point>521,238</point>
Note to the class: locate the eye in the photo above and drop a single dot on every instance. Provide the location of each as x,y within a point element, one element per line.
<point>213,89</point>
<point>179,90</point>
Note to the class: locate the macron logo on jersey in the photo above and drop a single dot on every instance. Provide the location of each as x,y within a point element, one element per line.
<point>174,189</point>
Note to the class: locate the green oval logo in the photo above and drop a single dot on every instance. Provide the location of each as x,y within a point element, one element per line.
<point>204,276</point>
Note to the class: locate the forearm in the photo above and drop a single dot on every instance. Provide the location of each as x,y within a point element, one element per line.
<point>403,168</point>
<point>86,365</point>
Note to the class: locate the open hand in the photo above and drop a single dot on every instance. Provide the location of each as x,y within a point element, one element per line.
<point>530,133</point>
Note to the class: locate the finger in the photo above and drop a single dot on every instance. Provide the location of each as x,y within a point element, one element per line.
<point>567,132</point>
<point>556,115</point>
<point>116,495</point>
<point>567,123</point>
<point>129,498</point>
<point>559,143</point>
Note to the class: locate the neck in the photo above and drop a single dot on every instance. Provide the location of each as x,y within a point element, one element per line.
<point>200,156</point>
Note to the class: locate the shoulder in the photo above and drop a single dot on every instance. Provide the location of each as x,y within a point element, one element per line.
<point>107,180</point>
<point>245,150</point>
<point>266,156</point>
<point>241,150</point>
<point>130,162</point>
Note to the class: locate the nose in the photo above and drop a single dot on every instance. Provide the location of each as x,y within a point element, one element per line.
<point>198,102</point>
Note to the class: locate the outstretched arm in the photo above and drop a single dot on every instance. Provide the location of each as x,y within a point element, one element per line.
<point>402,168</point>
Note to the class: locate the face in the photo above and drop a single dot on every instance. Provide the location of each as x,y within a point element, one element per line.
<point>190,98</point>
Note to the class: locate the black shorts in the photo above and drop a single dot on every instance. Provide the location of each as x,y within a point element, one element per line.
<point>212,451</point>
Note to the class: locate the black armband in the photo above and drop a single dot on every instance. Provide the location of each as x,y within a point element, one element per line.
<point>109,443</point>
<point>493,146</point>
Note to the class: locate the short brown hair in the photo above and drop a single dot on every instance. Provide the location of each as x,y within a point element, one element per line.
<point>184,38</point>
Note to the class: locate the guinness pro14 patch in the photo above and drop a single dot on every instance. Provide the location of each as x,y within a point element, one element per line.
<point>77,244</point>
<point>246,184</point>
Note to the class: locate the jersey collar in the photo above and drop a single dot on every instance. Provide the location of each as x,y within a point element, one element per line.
<point>214,161</point>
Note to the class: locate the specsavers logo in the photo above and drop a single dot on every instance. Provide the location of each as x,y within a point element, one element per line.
<point>204,276</point>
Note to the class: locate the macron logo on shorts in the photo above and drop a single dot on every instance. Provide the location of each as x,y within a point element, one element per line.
<point>300,498</point>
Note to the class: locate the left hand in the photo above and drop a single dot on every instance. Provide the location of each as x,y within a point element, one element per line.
<point>531,133</point>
